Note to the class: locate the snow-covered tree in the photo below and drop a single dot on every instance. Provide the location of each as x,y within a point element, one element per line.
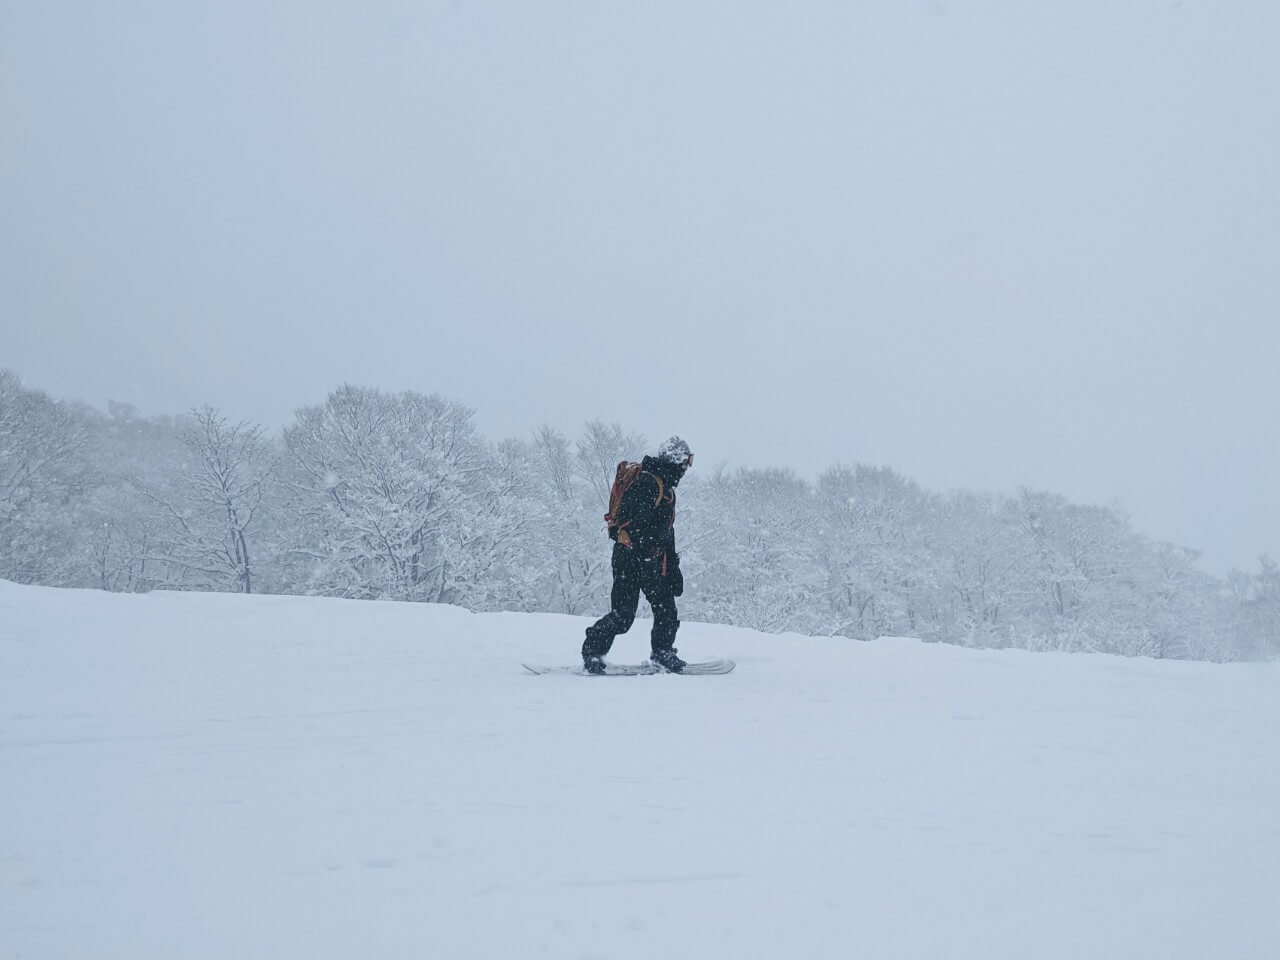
<point>877,550</point>
<point>752,562</point>
<point>573,555</point>
<point>209,525</point>
<point>386,495</point>
<point>975,561</point>
<point>1266,603</point>
<point>43,479</point>
<point>1095,585</point>
<point>1254,610</point>
<point>1180,604</point>
<point>487,537</point>
<point>126,533</point>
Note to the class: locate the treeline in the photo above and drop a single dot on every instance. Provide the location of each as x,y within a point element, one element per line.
<point>396,495</point>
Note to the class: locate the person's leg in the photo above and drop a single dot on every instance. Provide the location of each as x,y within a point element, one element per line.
<point>665,619</point>
<point>623,600</point>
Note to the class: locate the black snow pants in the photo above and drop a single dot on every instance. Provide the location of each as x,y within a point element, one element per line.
<point>631,577</point>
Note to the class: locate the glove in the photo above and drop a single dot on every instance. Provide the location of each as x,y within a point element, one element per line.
<point>677,579</point>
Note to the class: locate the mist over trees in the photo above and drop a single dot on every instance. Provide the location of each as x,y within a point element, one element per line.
<point>382,495</point>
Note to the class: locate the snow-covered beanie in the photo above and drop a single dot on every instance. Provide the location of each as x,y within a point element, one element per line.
<point>674,450</point>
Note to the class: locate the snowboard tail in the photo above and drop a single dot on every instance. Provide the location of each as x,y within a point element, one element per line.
<point>699,668</point>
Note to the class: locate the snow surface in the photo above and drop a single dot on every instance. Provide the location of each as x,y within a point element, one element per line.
<point>210,776</point>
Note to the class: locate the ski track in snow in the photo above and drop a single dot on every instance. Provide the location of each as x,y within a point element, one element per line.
<point>207,776</point>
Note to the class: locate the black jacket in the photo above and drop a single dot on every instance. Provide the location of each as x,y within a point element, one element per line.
<point>648,511</point>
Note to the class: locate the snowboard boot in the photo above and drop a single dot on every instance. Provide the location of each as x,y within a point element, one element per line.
<point>593,665</point>
<point>668,660</point>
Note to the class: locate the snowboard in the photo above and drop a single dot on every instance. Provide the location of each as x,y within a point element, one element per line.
<point>702,668</point>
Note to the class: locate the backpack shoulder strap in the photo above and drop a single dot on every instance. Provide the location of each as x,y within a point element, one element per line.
<point>662,490</point>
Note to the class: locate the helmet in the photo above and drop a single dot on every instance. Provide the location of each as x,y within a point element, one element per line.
<point>674,450</point>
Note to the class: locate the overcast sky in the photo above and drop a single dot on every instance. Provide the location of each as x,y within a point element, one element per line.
<point>988,244</point>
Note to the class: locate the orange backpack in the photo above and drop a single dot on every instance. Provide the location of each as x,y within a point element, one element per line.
<point>626,475</point>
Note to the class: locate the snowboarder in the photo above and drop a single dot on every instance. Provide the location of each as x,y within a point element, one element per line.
<point>642,524</point>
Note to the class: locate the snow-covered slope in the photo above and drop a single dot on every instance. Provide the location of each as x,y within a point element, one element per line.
<point>202,776</point>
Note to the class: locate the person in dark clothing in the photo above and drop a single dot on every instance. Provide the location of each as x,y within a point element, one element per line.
<point>645,560</point>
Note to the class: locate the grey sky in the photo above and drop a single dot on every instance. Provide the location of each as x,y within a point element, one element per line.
<point>986,243</point>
